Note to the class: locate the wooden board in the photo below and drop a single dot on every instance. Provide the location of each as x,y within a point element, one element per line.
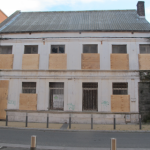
<point>4,84</point>
<point>30,61</point>
<point>90,61</point>
<point>119,61</point>
<point>28,102</point>
<point>58,61</point>
<point>120,103</point>
<point>144,61</point>
<point>6,61</point>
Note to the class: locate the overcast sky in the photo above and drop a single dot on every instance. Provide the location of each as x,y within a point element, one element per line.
<point>10,6</point>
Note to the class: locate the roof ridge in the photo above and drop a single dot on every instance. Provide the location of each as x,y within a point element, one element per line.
<point>78,11</point>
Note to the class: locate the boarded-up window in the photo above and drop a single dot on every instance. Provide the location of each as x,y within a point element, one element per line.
<point>145,49</point>
<point>58,49</point>
<point>56,95</point>
<point>119,49</point>
<point>5,49</point>
<point>90,96</point>
<point>90,48</point>
<point>28,87</point>
<point>120,88</point>
<point>31,49</point>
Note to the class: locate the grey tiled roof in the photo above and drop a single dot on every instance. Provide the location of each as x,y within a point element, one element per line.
<point>111,20</point>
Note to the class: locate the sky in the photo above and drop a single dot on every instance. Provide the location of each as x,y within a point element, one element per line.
<point>10,6</point>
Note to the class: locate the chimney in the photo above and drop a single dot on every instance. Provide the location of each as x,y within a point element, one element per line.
<point>141,9</point>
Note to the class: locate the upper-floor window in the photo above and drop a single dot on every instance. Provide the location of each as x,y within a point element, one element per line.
<point>5,49</point>
<point>28,87</point>
<point>145,49</point>
<point>90,48</point>
<point>31,49</point>
<point>57,48</point>
<point>119,49</point>
<point>120,88</point>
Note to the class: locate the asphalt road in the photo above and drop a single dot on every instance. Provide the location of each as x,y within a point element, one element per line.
<point>75,139</point>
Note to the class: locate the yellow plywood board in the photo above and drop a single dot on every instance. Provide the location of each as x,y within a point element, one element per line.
<point>90,61</point>
<point>144,61</point>
<point>28,102</point>
<point>30,61</point>
<point>119,61</point>
<point>3,97</point>
<point>6,61</point>
<point>120,103</point>
<point>58,61</point>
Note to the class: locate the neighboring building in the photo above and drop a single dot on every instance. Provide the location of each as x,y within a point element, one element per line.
<point>78,62</point>
<point>3,16</point>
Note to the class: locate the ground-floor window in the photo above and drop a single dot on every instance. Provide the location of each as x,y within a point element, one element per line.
<point>90,96</point>
<point>56,95</point>
<point>28,87</point>
<point>120,88</point>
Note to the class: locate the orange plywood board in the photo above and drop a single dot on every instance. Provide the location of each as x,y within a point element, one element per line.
<point>28,102</point>
<point>119,61</point>
<point>30,61</point>
<point>120,103</point>
<point>90,61</point>
<point>3,97</point>
<point>144,61</point>
<point>57,61</point>
<point>6,61</point>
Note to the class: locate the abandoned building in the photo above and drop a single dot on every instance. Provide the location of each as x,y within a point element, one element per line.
<point>78,62</point>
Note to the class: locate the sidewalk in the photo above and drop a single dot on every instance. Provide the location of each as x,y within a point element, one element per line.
<point>76,127</point>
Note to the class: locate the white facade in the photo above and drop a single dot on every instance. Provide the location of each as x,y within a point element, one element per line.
<point>73,76</point>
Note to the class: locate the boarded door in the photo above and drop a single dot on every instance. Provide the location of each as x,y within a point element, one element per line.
<point>3,97</point>
<point>144,100</point>
<point>90,96</point>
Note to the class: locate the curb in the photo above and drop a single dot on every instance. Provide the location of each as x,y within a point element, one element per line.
<point>71,130</point>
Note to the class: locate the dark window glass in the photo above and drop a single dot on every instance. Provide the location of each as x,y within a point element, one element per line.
<point>5,49</point>
<point>119,49</point>
<point>144,49</point>
<point>28,87</point>
<point>120,88</point>
<point>57,49</point>
<point>89,48</point>
<point>31,49</point>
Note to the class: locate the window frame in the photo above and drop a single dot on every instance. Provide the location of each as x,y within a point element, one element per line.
<point>31,46</point>
<point>119,45</point>
<point>7,46</point>
<point>140,49</point>
<point>89,45</point>
<point>122,88</point>
<point>57,49</point>
<point>29,88</point>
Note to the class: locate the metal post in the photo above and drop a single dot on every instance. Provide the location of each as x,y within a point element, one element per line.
<point>91,121</point>
<point>69,121</point>
<point>33,142</point>
<point>47,120</point>
<point>6,118</point>
<point>140,125</point>
<point>113,144</point>
<point>114,122</point>
<point>26,119</point>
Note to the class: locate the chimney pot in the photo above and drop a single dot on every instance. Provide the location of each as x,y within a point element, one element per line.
<point>141,9</point>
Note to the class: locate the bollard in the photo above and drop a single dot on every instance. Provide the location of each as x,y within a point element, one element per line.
<point>140,126</point>
<point>69,121</point>
<point>114,122</point>
<point>113,144</point>
<point>26,119</point>
<point>47,120</point>
<point>91,121</point>
<point>6,118</point>
<point>33,142</point>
